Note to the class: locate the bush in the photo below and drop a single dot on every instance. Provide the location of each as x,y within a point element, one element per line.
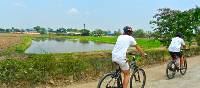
<point>198,39</point>
<point>79,66</point>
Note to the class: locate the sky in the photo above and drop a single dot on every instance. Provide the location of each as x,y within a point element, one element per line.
<point>95,14</point>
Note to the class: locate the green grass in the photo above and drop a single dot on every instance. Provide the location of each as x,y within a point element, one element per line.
<point>148,43</point>
<point>110,40</point>
<point>18,48</point>
<point>26,42</point>
<point>145,43</point>
<point>39,68</point>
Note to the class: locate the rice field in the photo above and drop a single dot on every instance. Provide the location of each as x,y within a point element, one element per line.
<point>8,40</point>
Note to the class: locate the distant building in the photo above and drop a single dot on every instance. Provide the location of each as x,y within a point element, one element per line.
<point>110,34</point>
<point>31,32</point>
<point>17,32</point>
<point>74,33</point>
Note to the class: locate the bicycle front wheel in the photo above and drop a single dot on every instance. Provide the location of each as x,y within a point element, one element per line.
<point>138,79</point>
<point>109,81</point>
<point>183,67</point>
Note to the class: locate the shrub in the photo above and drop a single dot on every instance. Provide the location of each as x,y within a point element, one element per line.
<point>198,39</point>
<point>80,66</point>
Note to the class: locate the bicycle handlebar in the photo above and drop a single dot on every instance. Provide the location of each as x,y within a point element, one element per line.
<point>138,57</point>
<point>185,49</point>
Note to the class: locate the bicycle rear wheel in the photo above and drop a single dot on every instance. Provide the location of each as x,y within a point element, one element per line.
<point>138,79</point>
<point>110,81</point>
<point>171,70</point>
<point>183,68</point>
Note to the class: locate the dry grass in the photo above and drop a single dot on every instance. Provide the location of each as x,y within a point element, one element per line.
<point>8,40</point>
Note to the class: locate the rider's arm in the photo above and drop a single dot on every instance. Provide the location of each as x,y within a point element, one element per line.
<point>183,44</point>
<point>140,50</point>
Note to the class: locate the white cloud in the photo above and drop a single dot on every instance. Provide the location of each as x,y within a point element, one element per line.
<point>73,11</point>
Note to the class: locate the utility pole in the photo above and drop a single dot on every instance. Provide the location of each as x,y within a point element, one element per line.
<point>84,26</point>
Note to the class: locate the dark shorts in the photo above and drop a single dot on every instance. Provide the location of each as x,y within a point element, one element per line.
<point>174,54</point>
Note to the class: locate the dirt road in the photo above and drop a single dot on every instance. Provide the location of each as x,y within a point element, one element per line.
<point>156,77</point>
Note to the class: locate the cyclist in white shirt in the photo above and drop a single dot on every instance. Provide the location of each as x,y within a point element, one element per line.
<point>175,47</point>
<point>119,52</point>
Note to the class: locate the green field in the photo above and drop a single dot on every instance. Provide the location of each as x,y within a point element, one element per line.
<point>143,42</point>
<point>27,69</point>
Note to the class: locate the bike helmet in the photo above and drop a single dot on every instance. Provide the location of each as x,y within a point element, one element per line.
<point>179,34</point>
<point>127,30</point>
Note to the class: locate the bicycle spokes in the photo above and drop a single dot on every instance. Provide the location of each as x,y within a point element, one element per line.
<point>108,85</point>
<point>137,76</point>
<point>183,67</point>
<point>110,81</point>
<point>138,79</point>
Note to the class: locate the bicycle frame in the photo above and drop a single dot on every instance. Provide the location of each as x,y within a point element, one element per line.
<point>175,57</point>
<point>172,65</point>
<point>117,73</point>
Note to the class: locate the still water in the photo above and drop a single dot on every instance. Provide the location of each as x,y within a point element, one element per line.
<point>42,46</point>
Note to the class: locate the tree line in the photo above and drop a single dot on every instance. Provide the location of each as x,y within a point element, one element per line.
<point>167,22</point>
<point>139,33</point>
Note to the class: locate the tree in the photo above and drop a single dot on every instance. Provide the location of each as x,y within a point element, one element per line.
<point>150,34</point>
<point>139,33</point>
<point>117,33</point>
<point>85,32</point>
<point>40,30</point>
<point>2,30</point>
<point>168,22</point>
<point>22,30</point>
<point>8,30</point>
<point>28,30</point>
<point>72,30</point>
<point>98,32</point>
<point>50,30</point>
<point>17,30</point>
<point>198,36</point>
<point>61,30</point>
<point>197,23</point>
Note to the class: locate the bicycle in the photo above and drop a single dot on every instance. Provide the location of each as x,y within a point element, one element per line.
<point>114,79</point>
<point>172,67</point>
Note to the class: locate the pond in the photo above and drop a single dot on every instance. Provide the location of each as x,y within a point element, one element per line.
<point>43,46</point>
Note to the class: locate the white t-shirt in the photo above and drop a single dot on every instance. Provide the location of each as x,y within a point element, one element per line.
<point>176,44</point>
<point>121,46</point>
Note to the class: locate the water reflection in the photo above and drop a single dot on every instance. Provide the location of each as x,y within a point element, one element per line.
<point>42,46</point>
<point>59,40</point>
<point>83,41</point>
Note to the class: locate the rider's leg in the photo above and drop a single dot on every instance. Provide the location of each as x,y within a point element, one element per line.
<point>177,61</point>
<point>126,78</point>
<point>125,69</point>
<point>181,60</point>
<point>174,57</point>
<point>178,58</point>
